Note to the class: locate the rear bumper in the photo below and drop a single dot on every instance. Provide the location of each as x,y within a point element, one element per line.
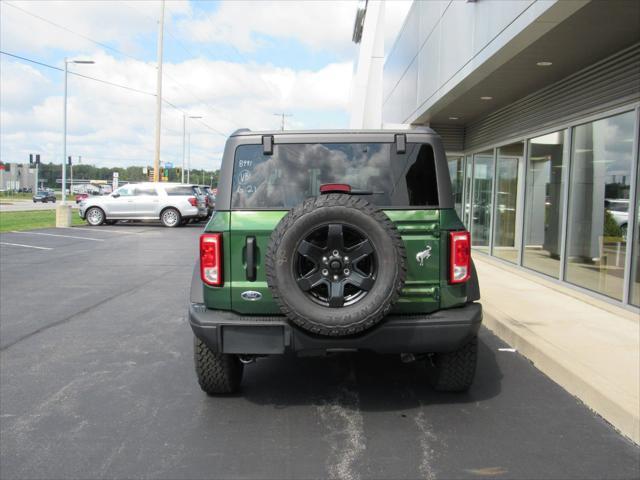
<point>228,332</point>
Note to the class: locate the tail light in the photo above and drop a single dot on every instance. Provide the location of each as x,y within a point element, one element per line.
<point>459,257</point>
<point>211,259</point>
<point>193,201</point>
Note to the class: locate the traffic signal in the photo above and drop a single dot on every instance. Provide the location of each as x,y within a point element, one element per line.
<point>37,159</point>
<point>69,160</point>
<point>31,159</point>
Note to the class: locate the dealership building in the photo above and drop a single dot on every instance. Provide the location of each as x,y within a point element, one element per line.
<point>538,104</point>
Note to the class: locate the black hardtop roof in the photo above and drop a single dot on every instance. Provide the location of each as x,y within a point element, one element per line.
<point>244,132</point>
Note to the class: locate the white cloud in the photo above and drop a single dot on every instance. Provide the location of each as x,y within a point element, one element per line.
<point>112,126</point>
<point>106,122</point>
<point>320,25</point>
<point>22,85</point>
<point>116,23</point>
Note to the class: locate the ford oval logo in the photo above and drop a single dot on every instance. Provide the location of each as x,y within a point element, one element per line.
<point>251,296</point>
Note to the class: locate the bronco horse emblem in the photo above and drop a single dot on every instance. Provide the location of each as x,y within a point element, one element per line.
<point>423,255</point>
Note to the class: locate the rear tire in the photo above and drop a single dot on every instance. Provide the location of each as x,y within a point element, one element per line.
<point>170,217</point>
<point>218,373</point>
<point>94,216</point>
<point>454,371</point>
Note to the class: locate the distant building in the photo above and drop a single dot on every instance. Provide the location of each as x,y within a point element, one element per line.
<point>17,176</point>
<point>538,103</point>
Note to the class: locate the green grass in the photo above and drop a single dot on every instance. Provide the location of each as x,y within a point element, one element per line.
<point>32,219</point>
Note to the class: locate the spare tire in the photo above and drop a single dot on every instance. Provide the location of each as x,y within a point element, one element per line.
<point>335,265</point>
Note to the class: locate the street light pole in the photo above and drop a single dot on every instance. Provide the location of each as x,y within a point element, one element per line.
<point>184,135</point>
<point>188,158</point>
<point>64,127</point>
<point>64,135</point>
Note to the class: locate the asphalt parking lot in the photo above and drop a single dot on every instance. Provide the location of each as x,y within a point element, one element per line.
<point>96,381</point>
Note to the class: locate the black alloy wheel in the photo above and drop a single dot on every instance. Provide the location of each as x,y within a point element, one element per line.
<point>336,265</point>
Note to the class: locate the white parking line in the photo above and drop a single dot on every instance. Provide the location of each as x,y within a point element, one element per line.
<point>100,230</point>
<point>56,235</point>
<point>25,246</point>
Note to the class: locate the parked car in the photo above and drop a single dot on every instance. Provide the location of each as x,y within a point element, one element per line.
<point>619,210</point>
<point>211,198</point>
<point>92,191</point>
<point>44,196</point>
<point>173,204</point>
<point>332,241</point>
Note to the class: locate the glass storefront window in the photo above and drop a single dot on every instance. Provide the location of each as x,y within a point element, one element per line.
<point>481,208</point>
<point>602,153</point>
<point>634,294</point>
<point>506,235</point>
<point>456,172</point>
<point>546,174</point>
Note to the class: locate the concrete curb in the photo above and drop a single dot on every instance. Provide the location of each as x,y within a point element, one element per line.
<point>551,362</point>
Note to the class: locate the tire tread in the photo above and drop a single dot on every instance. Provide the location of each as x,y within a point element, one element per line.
<point>217,373</point>
<point>455,371</point>
<point>329,201</point>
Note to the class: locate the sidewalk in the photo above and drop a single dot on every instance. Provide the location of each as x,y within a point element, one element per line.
<point>589,347</point>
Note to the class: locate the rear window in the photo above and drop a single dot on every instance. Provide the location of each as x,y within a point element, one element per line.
<point>295,172</point>
<point>180,190</point>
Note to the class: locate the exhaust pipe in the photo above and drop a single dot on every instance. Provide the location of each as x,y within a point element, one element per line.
<point>246,359</point>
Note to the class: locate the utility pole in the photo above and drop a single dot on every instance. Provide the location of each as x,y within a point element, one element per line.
<point>282,115</point>
<point>156,161</point>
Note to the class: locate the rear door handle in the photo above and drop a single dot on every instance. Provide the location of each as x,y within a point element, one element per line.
<point>251,258</point>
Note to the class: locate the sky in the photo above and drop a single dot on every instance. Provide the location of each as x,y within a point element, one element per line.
<point>235,64</point>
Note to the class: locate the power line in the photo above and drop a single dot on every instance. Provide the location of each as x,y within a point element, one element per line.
<point>78,74</point>
<point>108,83</point>
<point>121,53</point>
<point>198,99</point>
<point>200,121</point>
<point>104,45</point>
<point>189,52</point>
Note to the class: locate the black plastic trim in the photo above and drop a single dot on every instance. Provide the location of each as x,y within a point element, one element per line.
<point>267,144</point>
<point>401,143</point>
<point>441,331</point>
<point>250,252</point>
<point>473,286</point>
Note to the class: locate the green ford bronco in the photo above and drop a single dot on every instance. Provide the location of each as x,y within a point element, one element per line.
<point>335,241</point>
